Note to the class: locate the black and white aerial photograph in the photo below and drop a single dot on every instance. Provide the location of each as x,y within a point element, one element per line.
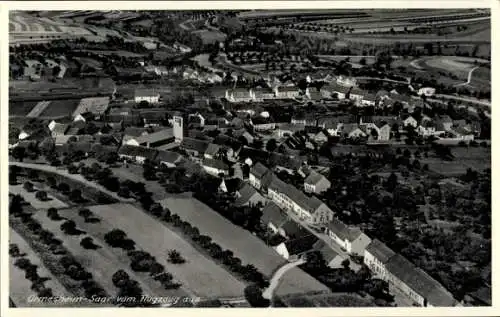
<point>249,158</point>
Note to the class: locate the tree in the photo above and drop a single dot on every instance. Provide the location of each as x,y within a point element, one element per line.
<point>28,186</point>
<point>88,243</point>
<point>345,264</point>
<point>253,294</point>
<point>41,195</point>
<point>19,153</point>
<point>51,181</point>
<point>175,257</point>
<point>392,182</point>
<point>271,145</point>
<point>53,214</point>
<point>64,188</point>
<point>75,195</point>
<point>85,213</point>
<point>69,227</point>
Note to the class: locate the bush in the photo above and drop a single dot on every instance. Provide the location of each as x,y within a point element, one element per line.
<point>92,220</point>
<point>120,278</point>
<point>156,269</point>
<point>45,292</point>
<point>22,263</point>
<point>14,250</point>
<point>53,214</point>
<point>69,227</point>
<point>88,243</point>
<point>175,257</point>
<point>253,294</point>
<point>28,186</point>
<point>41,195</point>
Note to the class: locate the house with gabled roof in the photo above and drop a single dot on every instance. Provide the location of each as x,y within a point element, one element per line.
<point>316,183</point>
<point>331,257</point>
<point>256,175</point>
<point>57,129</point>
<point>293,248</point>
<point>417,284</point>
<point>273,217</point>
<point>287,129</point>
<point>194,147</point>
<point>215,167</point>
<point>137,154</point>
<point>231,185</point>
<point>149,95</point>
<point>410,121</point>
<point>335,91</point>
<point>310,209</point>
<point>354,130</point>
<point>154,139</point>
<point>168,158</point>
<point>248,196</point>
<point>286,92</point>
<point>404,275</point>
<point>376,256</point>
<point>353,240</point>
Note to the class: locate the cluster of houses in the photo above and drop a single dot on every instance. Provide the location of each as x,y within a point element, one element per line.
<point>401,273</point>
<point>382,261</point>
<point>287,210</point>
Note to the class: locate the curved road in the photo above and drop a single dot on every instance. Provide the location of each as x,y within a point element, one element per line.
<point>469,77</point>
<point>268,292</point>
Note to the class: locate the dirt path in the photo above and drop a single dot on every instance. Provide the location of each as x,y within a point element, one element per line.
<point>469,77</point>
<point>275,280</point>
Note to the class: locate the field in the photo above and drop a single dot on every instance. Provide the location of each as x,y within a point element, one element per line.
<point>30,197</point>
<point>134,173</point>
<point>20,287</point>
<point>119,53</point>
<point>89,189</point>
<point>330,300</point>
<point>244,245</point>
<point>200,275</point>
<point>210,36</point>
<point>60,108</point>
<point>21,108</point>
<point>481,78</point>
<point>102,263</point>
<point>476,158</point>
<point>24,28</point>
<point>38,109</point>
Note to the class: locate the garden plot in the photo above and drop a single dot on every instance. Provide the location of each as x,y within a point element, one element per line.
<point>245,246</point>
<point>38,109</point>
<point>51,201</point>
<point>102,263</point>
<point>20,287</point>
<point>200,275</point>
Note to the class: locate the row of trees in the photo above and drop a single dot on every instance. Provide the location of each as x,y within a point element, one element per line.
<point>44,241</point>
<point>38,282</point>
<point>142,261</point>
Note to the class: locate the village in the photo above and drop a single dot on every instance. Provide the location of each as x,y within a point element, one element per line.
<point>337,174</point>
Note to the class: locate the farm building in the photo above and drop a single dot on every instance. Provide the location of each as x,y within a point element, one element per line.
<point>154,139</point>
<point>138,154</point>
